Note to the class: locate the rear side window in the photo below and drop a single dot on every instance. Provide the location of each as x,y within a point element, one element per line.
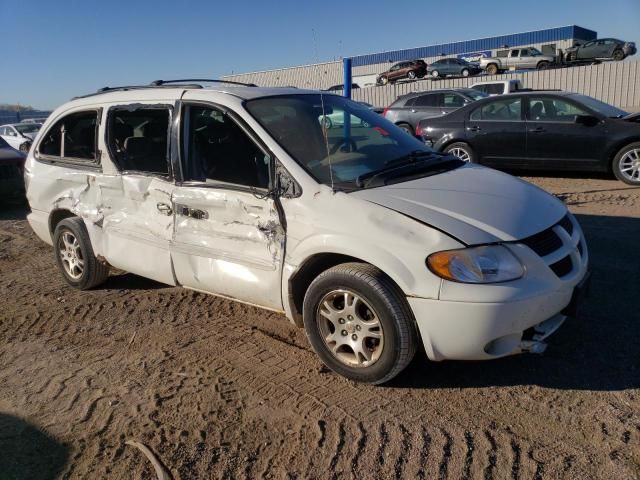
<point>72,138</point>
<point>502,110</point>
<point>138,139</point>
<point>430,100</point>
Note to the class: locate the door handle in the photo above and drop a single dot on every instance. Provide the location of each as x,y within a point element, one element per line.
<point>194,213</point>
<point>537,130</point>
<point>164,208</point>
<point>474,128</point>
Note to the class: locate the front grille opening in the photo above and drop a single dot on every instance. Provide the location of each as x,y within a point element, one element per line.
<point>566,224</point>
<point>562,267</point>
<point>543,243</point>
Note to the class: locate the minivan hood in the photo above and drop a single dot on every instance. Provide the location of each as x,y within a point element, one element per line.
<point>473,204</point>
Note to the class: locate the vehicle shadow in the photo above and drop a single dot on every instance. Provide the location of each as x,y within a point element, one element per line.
<point>129,281</point>
<point>596,351</point>
<point>28,452</point>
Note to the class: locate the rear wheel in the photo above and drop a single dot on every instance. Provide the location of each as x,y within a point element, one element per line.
<point>74,255</point>
<point>411,75</point>
<point>406,127</point>
<point>542,65</point>
<point>359,323</point>
<point>571,57</point>
<point>626,164</point>
<point>461,150</point>
<point>618,55</point>
<point>492,69</point>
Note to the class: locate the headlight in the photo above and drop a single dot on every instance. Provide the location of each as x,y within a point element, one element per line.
<point>485,264</point>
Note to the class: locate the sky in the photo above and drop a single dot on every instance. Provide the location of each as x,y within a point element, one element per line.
<point>54,50</point>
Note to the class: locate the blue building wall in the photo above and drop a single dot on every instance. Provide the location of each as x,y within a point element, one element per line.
<point>490,43</point>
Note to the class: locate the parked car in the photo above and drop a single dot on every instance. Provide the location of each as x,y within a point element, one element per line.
<point>498,87</point>
<point>412,69</point>
<point>409,109</point>
<point>540,129</point>
<point>19,135</point>
<point>452,66</point>
<point>11,170</point>
<point>603,48</point>
<point>388,244</point>
<point>517,58</point>
<point>340,87</point>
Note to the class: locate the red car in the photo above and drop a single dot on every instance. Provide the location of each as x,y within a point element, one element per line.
<point>411,69</point>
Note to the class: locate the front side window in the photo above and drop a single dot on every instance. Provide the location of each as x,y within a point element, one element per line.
<point>354,142</point>
<point>500,110</point>
<point>452,100</point>
<point>138,139</point>
<point>548,109</point>
<point>217,149</point>
<point>72,137</point>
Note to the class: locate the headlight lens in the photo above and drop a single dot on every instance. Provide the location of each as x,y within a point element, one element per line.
<point>484,264</point>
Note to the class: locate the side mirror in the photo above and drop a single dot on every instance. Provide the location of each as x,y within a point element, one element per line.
<point>587,120</point>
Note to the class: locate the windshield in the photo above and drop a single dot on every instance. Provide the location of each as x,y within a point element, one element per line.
<point>601,107</point>
<point>336,147</point>
<point>27,127</point>
<point>476,94</point>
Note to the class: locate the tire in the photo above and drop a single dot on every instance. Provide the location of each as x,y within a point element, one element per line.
<point>327,123</point>
<point>364,124</point>
<point>406,127</point>
<point>25,147</point>
<point>461,150</point>
<point>411,75</point>
<point>618,55</point>
<point>465,72</point>
<point>375,309</point>
<point>435,74</point>
<point>626,164</point>
<point>384,80</point>
<point>571,57</point>
<point>493,69</point>
<point>542,65</point>
<point>71,236</point>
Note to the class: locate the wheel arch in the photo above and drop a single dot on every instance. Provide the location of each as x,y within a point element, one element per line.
<point>615,149</point>
<point>56,216</point>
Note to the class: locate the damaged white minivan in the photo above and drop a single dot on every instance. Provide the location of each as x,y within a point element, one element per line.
<point>357,232</point>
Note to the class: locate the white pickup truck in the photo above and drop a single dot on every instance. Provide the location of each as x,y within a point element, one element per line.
<point>517,58</point>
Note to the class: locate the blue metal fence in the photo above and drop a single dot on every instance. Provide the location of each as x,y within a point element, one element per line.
<point>7,116</point>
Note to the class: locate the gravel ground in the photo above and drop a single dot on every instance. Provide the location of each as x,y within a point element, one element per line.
<point>218,389</point>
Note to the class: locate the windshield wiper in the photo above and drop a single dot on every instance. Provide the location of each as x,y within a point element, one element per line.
<point>408,165</point>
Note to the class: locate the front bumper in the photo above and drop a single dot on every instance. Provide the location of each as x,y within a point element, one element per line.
<point>454,330</point>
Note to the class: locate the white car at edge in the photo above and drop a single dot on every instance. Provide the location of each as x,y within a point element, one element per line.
<point>19,135</point>
<point>366,238</point>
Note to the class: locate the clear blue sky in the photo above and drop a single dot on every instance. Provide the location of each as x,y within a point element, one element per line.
<point>55,49</point>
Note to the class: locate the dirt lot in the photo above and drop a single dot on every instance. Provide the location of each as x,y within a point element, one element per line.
<point>221,390</point>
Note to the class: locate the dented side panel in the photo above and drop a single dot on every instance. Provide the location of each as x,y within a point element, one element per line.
<point>229,243</point>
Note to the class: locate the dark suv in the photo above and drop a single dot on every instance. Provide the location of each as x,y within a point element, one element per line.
<point>411,69</point>
<point>409,109</point>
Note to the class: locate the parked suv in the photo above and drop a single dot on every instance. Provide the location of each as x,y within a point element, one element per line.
<point>603,48</point>
<point>409,109</point>
<point>371,241</point>
<point>412,69</point>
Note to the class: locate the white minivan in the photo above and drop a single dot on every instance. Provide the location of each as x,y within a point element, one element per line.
<point>360,234</point>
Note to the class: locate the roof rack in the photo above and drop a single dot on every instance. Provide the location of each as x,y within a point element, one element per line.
<point>158,83</point>
<point>163,84</point>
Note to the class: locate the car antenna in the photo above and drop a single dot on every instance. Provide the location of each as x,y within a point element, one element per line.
<point>325,134</point>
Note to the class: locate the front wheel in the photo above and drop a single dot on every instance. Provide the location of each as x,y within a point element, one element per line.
<point>618,55</point>
<point>383,81</point>
<point>25,147</point>
<point>435,74</point>
<point>406,127</point>
<point>465,72</point>
<point>74,255</point>
<point>492,69</point>
<point>626,164</point>
<point>411,75</point>
<point>461,150</point>
<point>359,323</point>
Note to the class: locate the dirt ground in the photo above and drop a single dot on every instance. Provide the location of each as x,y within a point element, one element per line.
<point>218,389</point>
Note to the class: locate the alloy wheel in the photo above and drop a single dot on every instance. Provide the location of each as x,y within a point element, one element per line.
<point>461,153</point>
<point>71,255</point>
<point>350,328</point>
<point>629,165</point>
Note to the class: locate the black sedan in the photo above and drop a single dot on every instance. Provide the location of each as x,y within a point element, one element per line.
<point>11,170</point>
<point>540,129</point>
